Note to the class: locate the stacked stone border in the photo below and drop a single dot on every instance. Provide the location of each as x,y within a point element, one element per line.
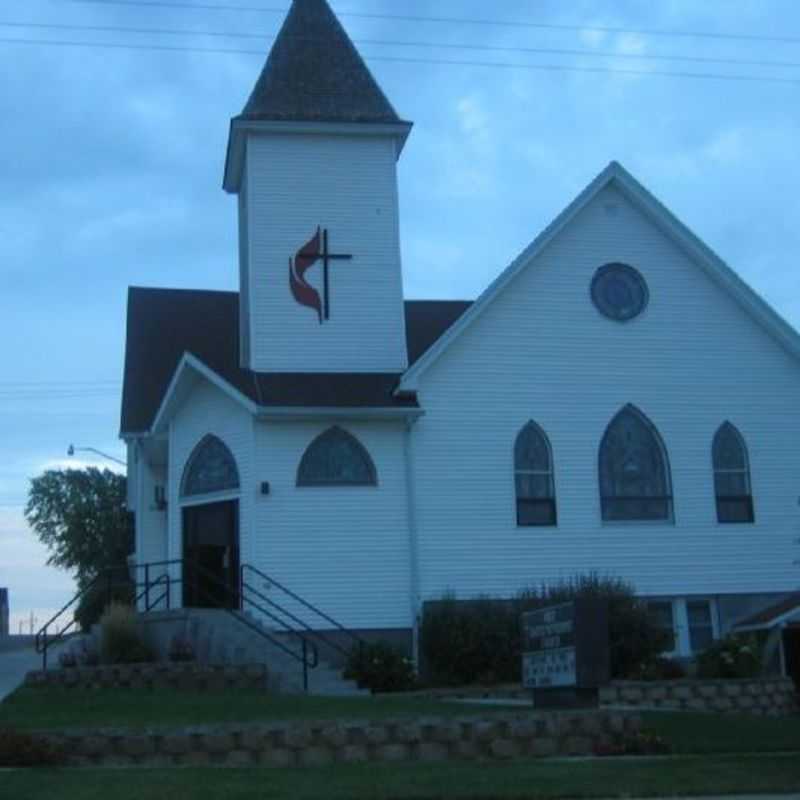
<point>772,697</point>
<point>336,742</point>
<point>183,677</point>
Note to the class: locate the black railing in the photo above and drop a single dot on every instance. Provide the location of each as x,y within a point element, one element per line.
<point>247,569</point>
<point>156,591</point>
<point>105,582</point>
<point>308,655</point>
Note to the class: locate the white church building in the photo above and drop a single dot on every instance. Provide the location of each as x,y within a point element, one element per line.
<point>617,401</point>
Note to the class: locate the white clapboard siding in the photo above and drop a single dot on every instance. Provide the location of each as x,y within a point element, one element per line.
<point>345,549</point>
<point>542,351</point>
<point>295,183</point>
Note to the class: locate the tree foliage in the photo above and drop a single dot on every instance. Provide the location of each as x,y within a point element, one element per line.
<point>80,516</point>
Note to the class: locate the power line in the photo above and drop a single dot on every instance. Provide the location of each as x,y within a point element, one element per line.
<point>24,384</point>
<point>432,61</point>
<point>752,37</point>
<point>402,43</point>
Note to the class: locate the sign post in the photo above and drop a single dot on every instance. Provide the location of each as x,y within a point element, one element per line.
<point>565,654</point>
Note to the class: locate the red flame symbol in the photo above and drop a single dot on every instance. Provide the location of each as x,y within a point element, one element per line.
<point>303,292</point>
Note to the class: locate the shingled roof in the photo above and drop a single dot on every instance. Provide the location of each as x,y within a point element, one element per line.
<point>315,74</point>
<point>163,324</point>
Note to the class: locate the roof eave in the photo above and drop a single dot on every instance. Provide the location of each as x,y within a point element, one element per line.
<point>303,413</point>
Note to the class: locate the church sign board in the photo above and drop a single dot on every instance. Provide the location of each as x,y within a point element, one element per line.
<point>565,646</point>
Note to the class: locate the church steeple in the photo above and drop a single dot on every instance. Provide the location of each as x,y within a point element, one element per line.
<point>312,158</point>
<point>314,73</point>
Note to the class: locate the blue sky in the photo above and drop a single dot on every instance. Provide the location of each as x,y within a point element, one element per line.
<point>113,164</point>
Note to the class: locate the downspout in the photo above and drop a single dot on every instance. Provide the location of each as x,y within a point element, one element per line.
<point>413,544</point>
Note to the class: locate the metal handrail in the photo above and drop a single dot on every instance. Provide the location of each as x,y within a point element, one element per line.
<point>43,640</point>
<point>309,660</point>
<point>243,596</point>
<point>302,623</point>
<point>355,638</point>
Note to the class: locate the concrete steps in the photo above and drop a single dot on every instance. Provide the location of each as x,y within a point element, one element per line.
<point>220,637</point>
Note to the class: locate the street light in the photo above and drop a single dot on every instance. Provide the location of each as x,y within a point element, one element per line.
<point>71,450</point>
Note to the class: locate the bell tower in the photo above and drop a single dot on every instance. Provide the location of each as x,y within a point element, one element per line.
<point>313,161</point>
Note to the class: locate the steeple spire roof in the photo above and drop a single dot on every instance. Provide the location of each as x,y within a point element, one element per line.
<point>315,74</point>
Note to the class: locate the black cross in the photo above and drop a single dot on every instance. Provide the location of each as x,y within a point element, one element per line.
<point>327,257</point>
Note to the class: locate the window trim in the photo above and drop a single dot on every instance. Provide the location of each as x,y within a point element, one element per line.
<point>680,621</point>
<point>186,496</point>
<point>551,500</point>
<point>630,408</point>
<point>727,425</point>
<point>304,483</point>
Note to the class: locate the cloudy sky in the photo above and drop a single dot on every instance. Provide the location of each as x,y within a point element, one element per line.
<point>112,165</point>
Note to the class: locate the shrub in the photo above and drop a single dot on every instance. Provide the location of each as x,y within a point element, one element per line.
<point>181,649</point>
<point>121,642</point>
<point>380,667</point>
<point>733,657</point>
<point>67,659</point>
<point>470,641</point>
<point>92,605</point>
<point>661,669</point>
<point>479,640</point>
<point>18,749</point>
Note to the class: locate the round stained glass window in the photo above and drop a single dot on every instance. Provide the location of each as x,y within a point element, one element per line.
<point>619,292</point>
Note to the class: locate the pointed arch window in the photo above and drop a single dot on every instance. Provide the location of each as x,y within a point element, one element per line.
<point>533,477</point>
<point>731,476</point>
<point>210,468</point>
<point>336,458</point>
<point>635,482</point>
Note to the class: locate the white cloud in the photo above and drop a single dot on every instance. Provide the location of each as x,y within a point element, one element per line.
<point>630,44</point>
<point>473,119</point>
<point>592,37</point>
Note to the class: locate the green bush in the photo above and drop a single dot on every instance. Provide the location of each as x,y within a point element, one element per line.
<point>733,657</point>
<point>479,640</point>
<point>661,669</point>
<point>120,640</point>
<point>18,749</point>
<point>92,605</point>
<point>470,641</point>
<point>380,667</point>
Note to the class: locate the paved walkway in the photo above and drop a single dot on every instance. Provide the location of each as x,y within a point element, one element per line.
<point>15,664</point>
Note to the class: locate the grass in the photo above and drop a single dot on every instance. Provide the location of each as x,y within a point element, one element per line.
<point>529,780</point>
<point>728,733</point>
<point>31,709</point>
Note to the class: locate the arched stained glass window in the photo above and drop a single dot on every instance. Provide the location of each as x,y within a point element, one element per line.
<point>731,476</point>
<point>533,477</point>
<point>210,468</point>
<point>336,458</point>
<point>635,482</point>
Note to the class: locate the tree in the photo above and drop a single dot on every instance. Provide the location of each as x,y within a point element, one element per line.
<point>80,516</point>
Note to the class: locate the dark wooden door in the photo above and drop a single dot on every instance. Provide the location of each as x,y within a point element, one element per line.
<point>211,555</point>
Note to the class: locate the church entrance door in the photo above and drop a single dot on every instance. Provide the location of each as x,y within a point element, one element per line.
<point>211,555</point>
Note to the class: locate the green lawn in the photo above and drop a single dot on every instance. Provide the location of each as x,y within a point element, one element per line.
<point>725,733</point>
<point>62,708</point>
<point>53,708</point>
<point>576,779</point>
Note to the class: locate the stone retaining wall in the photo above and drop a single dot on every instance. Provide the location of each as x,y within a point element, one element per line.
<point>752,696</point>
<point>183,677</point>
<point>321,743</point>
